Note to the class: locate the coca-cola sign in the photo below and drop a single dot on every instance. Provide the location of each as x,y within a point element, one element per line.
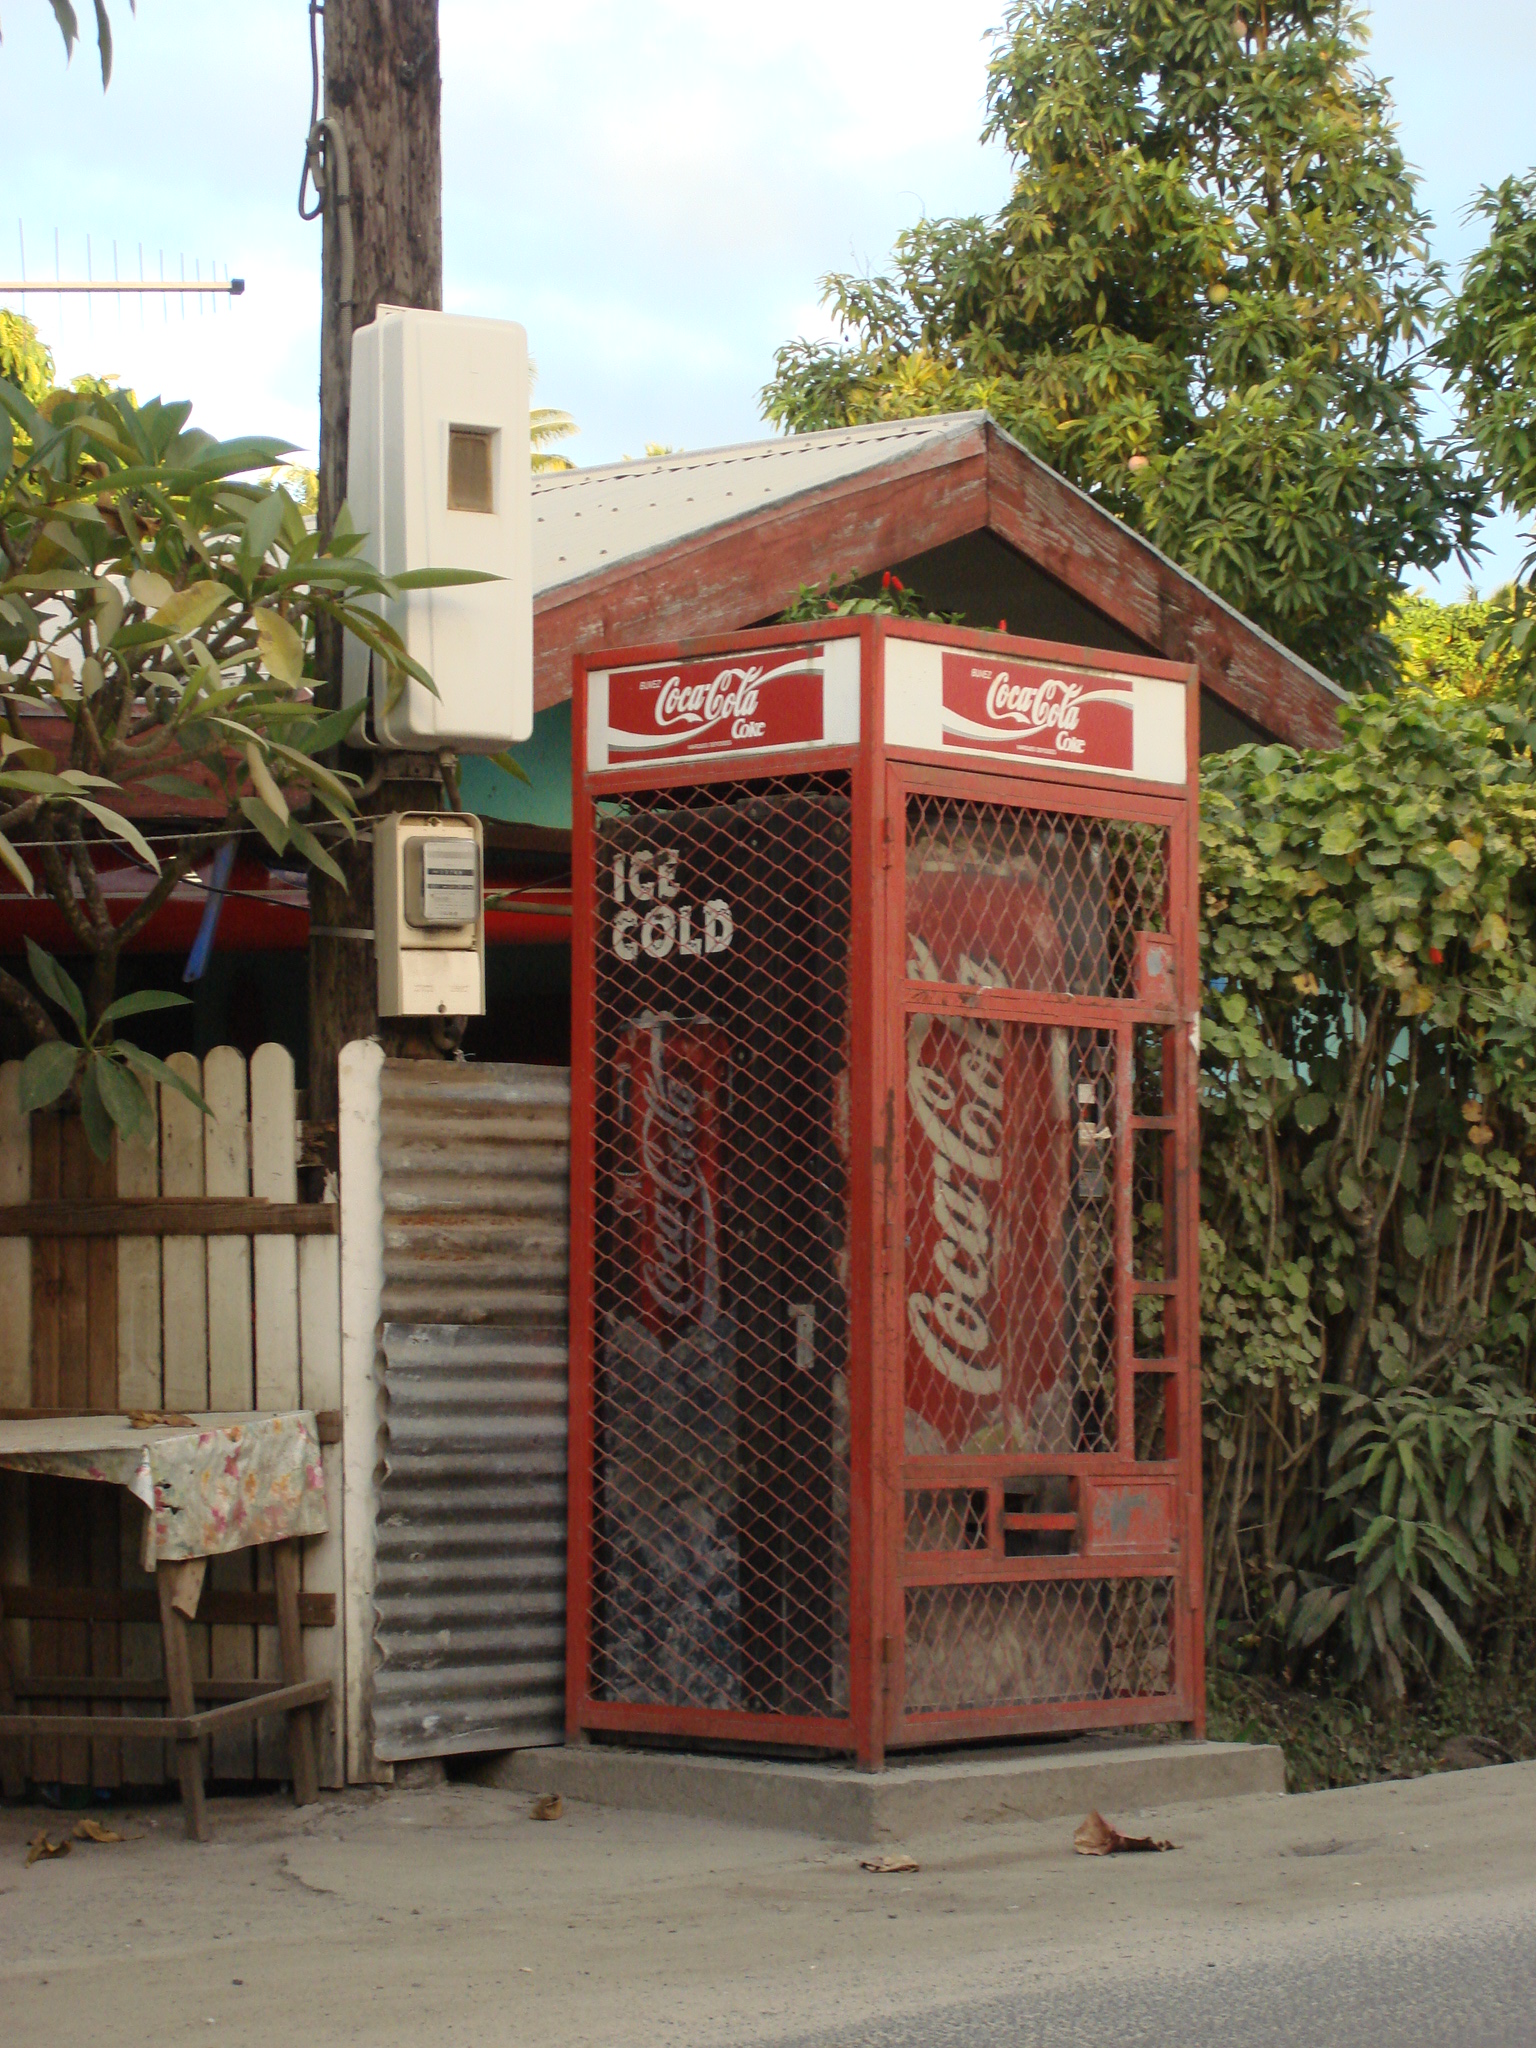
<point>671,1075</point>
<point>716,707</point>
<point>1019,709</point>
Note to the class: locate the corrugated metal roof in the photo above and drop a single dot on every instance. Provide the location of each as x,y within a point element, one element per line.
<point>588,519</point>
<point>469,1587</point>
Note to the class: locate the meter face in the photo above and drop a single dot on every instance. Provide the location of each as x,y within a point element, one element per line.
<point>442,882</point>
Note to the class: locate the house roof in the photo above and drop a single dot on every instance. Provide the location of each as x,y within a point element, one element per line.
<point>680,546</point>
<point>586,519</point>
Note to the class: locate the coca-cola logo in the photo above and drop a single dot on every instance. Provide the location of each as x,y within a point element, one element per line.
<point>1037,713</point>
<point>1049,706</point>
<point>963,1127</point>
<point>732,694</point>
<point>680,1256</point>
<point>716,707</point>
<point>669,1160</point>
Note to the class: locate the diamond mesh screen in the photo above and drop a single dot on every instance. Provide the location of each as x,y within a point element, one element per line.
<point>1010,1234</point>
<point>720,1558</point>
<point>1037,1643</point>
<point>1003,897</point>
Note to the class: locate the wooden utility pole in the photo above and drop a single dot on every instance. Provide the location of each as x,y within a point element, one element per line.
<point>383,243</point>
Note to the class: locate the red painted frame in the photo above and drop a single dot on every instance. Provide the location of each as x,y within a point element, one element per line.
<point>880,1569</point>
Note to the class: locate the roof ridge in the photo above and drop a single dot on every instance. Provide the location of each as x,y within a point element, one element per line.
<point>771,447</point>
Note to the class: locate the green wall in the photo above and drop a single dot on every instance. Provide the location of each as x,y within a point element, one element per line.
<point>545,799</point>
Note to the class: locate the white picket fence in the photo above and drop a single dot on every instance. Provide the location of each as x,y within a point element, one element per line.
<point>202,1323</point>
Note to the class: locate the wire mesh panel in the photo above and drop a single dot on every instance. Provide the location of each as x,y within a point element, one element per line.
<point>1010,1242</point>
<point>719,1330</point>
<point>1059,1641</point>
<point>1036,1151</point>
<point>999,896</point>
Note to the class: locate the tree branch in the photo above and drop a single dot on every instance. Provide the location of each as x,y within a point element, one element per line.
<point>160,895</point>
<point>59,887</point>
<point>27,1007</point>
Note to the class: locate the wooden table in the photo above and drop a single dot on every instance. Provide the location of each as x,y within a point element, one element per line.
<point>215,1484</point>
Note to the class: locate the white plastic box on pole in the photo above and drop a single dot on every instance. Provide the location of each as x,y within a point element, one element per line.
<point>438,478</point>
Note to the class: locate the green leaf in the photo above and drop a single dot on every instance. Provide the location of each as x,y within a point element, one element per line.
<point>121,828</point>
<point>143,1000</point>
<point>157,1070</point>
<point>1442,1621</point>
<point>305,842</point>
<point>93,1111</point>
<point>177,785</point>
<point>442,579</point>
<point>263,524</point>
<point>45,1074</point>
<point>1416,1236</point>
<point>330,729</point>
<point>510,765</point>
<point>281,649</point>
<point>267,823</point>
<point>188,611</point>
<point>1311,1111</point>
<point>13,861</point>
<point>121,1094</point>
<point>56,984</point>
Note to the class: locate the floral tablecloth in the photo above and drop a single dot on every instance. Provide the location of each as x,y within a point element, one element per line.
<point>222,1483</point>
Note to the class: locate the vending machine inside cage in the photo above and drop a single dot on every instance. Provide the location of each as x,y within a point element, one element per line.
<point>884,1422</point>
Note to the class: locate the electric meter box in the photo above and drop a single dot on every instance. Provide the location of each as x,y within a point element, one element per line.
<point>428,915</point>
<point>438,478</point>
<point>885,1311</point>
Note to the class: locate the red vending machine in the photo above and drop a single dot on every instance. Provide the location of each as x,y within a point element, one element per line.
<point>884,1304</point>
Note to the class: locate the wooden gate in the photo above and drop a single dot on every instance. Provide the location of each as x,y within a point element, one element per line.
<point>245,1316</point>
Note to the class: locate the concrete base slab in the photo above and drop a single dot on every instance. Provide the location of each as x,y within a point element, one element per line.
<point>916,1796</point>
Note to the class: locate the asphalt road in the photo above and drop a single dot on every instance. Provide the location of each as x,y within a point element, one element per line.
<point>1466,1986</point>
<point>1392,1915</point>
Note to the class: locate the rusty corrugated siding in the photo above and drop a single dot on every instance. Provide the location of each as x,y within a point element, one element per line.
<point>470,1538</point>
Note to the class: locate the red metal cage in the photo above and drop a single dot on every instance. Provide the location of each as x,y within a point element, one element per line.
<point>884,1308</point>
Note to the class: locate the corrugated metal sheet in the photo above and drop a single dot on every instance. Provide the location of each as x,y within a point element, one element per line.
<point>477,1167</point>
<point>590,519</point>
<point>469,1586</point>
<point>470,1542</point>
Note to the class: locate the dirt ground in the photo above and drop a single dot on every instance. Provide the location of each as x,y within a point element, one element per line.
<point>450,1915</point>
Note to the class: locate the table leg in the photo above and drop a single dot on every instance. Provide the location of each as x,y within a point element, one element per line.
<point>178,1678</point>
<point>12,1776</point>
<point>301,1723</point>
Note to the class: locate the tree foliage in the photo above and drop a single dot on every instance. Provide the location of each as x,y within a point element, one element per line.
<point>1488,348</point>
<point>25,359</point>
<point>1205,301</point>
<point>1451,650</point>
<point>160,606</point>
<point>1369,1180</point>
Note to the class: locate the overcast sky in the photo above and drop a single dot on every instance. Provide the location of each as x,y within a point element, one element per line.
<point>652,189</point>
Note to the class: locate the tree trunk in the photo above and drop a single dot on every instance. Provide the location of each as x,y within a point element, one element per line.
<point>383,87</point>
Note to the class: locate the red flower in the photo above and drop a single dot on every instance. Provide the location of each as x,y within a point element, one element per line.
<point>885,580</point>
<point>896,583</point>
<point>1002,625</point>
<point>1436,957</point>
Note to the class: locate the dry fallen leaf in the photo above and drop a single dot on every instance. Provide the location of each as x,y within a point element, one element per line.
<point>40,1846</point>
<point>158,1418</point>
<point>1095,1837</point>
<point>550,1807</point>
<point>89,1830</point>
<point>892,1864</point>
